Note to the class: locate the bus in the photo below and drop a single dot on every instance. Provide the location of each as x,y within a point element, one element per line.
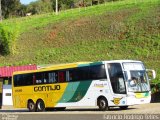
<point>102,84</point>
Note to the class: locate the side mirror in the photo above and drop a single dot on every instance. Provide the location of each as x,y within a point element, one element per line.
<point>151,74</point>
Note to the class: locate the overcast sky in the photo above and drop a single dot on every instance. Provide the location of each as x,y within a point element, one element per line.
<point>26,1</point>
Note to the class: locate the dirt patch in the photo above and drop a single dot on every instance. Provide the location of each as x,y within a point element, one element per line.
<point>81,22</point>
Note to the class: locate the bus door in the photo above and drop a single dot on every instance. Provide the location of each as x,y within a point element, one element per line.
<point>117,82</point>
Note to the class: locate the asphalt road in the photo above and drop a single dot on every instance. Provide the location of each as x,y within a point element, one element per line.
<point>137,112</point>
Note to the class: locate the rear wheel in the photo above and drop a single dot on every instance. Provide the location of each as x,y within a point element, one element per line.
<point>123,107</point>
<point>102,104</point>
<point>31,106</point>
<point>40,106</point>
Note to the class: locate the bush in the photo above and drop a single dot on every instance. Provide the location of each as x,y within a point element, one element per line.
<point>8,39</point>
<point>155,88</point>
<point>155,92</point>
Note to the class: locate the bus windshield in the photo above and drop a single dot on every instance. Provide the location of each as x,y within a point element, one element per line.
<point>137,80</point>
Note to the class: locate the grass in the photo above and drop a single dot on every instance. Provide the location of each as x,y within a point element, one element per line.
<point>36,21</point>
<point>128,29</point>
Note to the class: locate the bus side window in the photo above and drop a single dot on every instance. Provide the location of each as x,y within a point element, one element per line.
<point>34,79</point>
<point>61,76</point>
<point>116,78</point>
<point>40,78</point>
<point>68,76</point>
<point>17,79</point>
<point>45,77</point>
<point>52,76</point>
<point>97,72</point>
<point>73,75</point>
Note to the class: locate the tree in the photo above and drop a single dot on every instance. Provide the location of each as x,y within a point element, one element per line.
<point>62,4</point>
<point>0,12</point>
<point>40,6</point>
<point>22,10</point>
<point>10,7</point>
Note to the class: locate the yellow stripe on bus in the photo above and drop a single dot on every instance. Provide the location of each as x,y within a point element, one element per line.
<point>49,93</point>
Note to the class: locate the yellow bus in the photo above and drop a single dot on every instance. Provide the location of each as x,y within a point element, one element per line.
<point>86,84</point>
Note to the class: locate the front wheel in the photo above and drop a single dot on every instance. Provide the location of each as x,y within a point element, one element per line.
<point>103,104</point>
<point>40,106</point>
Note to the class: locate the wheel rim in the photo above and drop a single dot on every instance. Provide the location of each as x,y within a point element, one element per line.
<point>40,106</point>
<point>102,104</point>
<point>31,106</point>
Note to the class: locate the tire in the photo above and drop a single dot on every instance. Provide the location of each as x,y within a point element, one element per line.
<point>40,106</point>
<point>123,107</point>
<point>102,104</point>
<point>31,106</point>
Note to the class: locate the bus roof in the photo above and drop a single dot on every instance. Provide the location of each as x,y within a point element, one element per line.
<point>54,67</point>
<point>72,65</point>
<point>121,61</point>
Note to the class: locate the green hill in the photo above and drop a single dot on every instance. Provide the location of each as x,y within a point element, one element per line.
<point>128,29</point>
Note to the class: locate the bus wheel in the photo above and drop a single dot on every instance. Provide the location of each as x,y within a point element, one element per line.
<point>31,106</point>
<point>102,104</point>
<point>40,106</point>
<point>123,107</point>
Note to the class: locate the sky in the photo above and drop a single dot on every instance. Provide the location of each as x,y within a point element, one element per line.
<point>26,1</point>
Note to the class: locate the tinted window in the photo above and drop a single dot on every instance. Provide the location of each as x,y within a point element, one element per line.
<point>61,76</point>
<point>87,73</point>
<point>116,78</point>
<point>97,72</point>
<point>52,77</point>
<point>22,80</point>
<point>38,78</point>
<point>76,74</point>
<point>81,73</point>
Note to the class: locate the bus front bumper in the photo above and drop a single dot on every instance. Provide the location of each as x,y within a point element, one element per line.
<point>136,101</point>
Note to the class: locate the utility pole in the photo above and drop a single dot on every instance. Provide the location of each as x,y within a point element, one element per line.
<point>56,7</point>
<point>0,12</point>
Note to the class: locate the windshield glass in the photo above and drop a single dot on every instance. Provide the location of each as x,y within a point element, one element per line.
<point>137,80</point>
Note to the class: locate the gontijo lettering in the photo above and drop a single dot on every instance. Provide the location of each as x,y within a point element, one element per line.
<point>46,88</point>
